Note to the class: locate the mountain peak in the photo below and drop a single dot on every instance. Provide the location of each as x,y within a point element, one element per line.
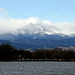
<point>37,29</point>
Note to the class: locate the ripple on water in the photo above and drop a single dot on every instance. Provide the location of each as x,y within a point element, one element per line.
<point>37,68</point>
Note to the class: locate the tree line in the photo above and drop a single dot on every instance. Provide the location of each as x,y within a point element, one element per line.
<point>9,53</point>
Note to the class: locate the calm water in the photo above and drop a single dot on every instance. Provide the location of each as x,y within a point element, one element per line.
<point>37,68</point>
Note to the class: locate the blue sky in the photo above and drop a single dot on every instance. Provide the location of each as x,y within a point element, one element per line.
<point>53,10</point>
<point>59,13</point>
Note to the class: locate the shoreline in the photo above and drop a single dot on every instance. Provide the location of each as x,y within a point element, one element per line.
<point>37,61</point>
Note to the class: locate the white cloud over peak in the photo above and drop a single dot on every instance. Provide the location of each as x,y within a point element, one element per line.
<point>3,10</point>
<point>34,25</point>
<point>67,28</point>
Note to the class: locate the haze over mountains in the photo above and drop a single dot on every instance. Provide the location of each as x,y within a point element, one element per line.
<point>33,36</point>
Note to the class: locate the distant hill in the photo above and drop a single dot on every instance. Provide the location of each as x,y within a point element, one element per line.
<point>37,41</point>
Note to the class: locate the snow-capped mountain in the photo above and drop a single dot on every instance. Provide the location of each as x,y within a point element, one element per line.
<point>37,36</point>
<point>36,28</point>
<point>33,30</point>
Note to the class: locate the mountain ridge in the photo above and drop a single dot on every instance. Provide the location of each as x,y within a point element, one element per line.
<point>35,36</point>
<point>36,41</point>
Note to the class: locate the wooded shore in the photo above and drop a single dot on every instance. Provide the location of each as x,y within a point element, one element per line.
<point>9,53</point>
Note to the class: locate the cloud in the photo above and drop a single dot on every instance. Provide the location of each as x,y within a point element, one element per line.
<point>67,28</point>
<point>3,11</point>
<point>10,25</point>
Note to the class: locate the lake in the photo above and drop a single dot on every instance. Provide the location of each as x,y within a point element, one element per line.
<point>37,68</point>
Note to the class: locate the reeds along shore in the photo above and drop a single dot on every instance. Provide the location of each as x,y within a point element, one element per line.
<point>9,53</point>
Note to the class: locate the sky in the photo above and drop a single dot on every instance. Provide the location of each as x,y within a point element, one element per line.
<point>16,14</point>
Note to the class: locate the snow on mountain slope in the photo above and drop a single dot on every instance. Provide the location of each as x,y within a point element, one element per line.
<point>35,31</point>
<point>32,30</point>
<point>36,28</point>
